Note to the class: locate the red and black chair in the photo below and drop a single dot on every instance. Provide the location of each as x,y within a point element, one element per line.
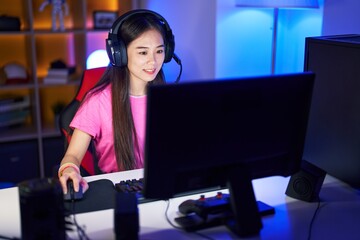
<point>90,77</point>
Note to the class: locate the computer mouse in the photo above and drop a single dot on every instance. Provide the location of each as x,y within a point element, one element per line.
<point>71,194</point>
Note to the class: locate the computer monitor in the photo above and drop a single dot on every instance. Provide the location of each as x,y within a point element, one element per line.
<point>203,135</point>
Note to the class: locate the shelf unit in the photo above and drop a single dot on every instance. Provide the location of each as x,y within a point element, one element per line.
<point>35,46</point>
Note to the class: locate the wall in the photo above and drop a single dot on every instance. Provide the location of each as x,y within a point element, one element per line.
<point>341,17</point>
<point>244,39</point>
<point>294,26</point>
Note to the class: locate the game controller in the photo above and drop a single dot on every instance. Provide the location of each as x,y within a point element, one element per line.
<point>213,211</point>
<point>205,206</point>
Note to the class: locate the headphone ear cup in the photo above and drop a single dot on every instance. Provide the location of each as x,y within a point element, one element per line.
<point>109,51</point>
<point>120,54</point>
<point>116,51</point>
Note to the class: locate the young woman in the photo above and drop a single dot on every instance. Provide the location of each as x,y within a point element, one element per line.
<point>113,112</point>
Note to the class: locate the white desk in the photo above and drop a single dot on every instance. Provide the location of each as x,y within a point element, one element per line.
<point>338,218</point>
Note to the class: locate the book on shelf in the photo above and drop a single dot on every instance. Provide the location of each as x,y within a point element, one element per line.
<point>14,103</point>
<point>59,75</point>
<point>58,72</point>
<point>14,117</point>
<point>61,71</point>
<point>14,110</point>
<point>56,79</point>
<point>10,98</point>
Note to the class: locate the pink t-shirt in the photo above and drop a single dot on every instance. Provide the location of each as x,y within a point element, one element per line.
<point>95,118</point>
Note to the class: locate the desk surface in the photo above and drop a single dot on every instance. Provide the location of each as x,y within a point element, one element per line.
<point>338,218</point>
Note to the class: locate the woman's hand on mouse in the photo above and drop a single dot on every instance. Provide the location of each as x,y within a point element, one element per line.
<point>70,171</point>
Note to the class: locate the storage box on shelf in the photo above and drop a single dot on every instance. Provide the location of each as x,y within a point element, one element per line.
<point>35,46</point>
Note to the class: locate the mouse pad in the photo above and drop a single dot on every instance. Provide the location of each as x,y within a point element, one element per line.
<point>99,196</point>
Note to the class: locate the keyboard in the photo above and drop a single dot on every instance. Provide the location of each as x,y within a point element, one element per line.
<point>133,186</point>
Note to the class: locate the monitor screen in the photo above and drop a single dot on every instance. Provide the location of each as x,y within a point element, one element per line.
<point>204,135</point>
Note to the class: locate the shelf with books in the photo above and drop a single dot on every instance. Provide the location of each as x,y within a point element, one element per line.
<point>18,114</point>
<point>35,46</point>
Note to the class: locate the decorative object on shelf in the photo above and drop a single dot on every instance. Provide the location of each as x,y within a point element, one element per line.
<point>59,73</point>
<point>9,23</point>
<point>104,19</point>
<point>14,110</point>
<point>13,73</point>
<point>59,9</point>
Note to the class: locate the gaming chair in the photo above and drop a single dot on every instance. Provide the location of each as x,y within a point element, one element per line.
<point>90,77</point>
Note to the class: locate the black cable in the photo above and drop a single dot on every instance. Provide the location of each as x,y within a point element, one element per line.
<point>180,228</point>
<point>167,217</point>
<point>81,232</point>
<point>313,219</point>
<point>178,61</point>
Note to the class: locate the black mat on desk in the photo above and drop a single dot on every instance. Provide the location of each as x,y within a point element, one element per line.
<point>99,196</point>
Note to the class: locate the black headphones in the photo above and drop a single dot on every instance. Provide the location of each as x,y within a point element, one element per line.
<point>116,48</point>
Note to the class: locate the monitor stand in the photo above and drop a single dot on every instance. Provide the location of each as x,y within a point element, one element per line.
<point>246,220</point>
<point>242,213</point>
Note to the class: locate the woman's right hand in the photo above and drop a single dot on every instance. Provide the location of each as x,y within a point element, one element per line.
<point>69,169</point>
<point>72,174</point>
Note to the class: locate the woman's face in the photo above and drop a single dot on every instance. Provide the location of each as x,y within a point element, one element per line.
<point>145,58</point>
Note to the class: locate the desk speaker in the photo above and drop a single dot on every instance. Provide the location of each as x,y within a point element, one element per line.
<point>305,185</point>
<point>126,216</point>
<point>42,209</point>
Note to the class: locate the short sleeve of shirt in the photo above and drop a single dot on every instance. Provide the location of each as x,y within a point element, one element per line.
<point>93,113</point>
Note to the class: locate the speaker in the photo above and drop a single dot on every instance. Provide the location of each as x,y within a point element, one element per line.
<point>306,183</point>
<point>116,48</point>
<point>126,216</point>
<point>42,209</point>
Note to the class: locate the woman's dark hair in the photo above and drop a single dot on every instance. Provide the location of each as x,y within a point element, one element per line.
<point>125,137</point>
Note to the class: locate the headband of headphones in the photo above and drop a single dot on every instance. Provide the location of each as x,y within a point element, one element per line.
<point>116,48</point>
